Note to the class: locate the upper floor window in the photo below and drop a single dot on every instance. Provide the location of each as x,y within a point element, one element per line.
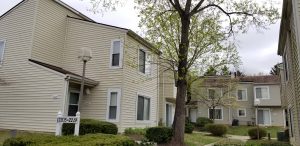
<point>143,108</point>
<point>285,65</point>
<point>144,63</point>
<point>262,92</point>
<point>113,104</point>
<point>242,94</point>
<point>2,47</point>
<point>116,53</point>
<point>211,93</point>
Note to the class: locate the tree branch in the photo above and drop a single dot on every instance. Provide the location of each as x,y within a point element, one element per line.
<point>194,11</point>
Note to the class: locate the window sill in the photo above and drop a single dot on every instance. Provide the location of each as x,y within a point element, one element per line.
<point>113,121</point>
<point>115,67</point>
<point>144,121</point>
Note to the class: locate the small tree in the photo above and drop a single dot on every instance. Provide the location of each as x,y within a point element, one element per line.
<point>275,70</point>
<point>214,92</point>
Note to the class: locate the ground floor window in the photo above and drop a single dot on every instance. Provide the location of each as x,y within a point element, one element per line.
<point>291,122</point>
<point>113,104</point>
<point>73,103</point>
<point>241,112</point>
<point>264,116</point>
<point>143,108</point>
<point>216,114</point>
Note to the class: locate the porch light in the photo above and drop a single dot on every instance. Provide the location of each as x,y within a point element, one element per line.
<point>85,55</point>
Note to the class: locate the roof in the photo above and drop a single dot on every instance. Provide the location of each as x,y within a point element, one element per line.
<point>86,18</point>
<point>266,79</point>
<point>75,77</point>
<point>284,25</point>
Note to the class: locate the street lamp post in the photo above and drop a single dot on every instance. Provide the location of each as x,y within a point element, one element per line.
<point>257,102</point>
<point>85,55</point>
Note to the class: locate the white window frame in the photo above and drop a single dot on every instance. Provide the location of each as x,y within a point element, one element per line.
<point>111,54</point>
<point>285,66</point>
<point>237,94</point>
<point>270,114</point>
<point>222,111</point>
<point>262,87</point>
<point>109,91</point>
<point>3,51</point>
<point>136,108</point>
<point>72,91</point>
<point>138,62</point>
<point>238,113</point>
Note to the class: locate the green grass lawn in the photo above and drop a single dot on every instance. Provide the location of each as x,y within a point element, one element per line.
<point>197,139</point>
<point>243,130</point>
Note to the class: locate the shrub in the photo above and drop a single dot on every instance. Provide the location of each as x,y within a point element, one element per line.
<point>159,134</point>
<point>216,129</point>
<point>189,127</point>
<point>135,131</point>
<point>253,133</point>
<point>89,139</point>
<point>266,143</point>
<point>202,121</point>
<point>90,126</point>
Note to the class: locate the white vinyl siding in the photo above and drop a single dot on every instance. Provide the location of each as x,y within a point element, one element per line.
<point>242,94</point>
<point>218,114</point>
<point>262,92</point>
<point>116,54</point>
<point>2,48</point>
<point>113,104</point>
<point>143,108</point>
<point>241,113</point>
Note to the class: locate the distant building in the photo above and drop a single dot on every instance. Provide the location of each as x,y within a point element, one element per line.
<point>247,89</point>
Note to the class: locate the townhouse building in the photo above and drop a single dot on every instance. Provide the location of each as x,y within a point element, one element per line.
<point>40,72</point>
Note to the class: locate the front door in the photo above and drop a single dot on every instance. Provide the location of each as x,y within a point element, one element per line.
<point>264,117</point>
<point>193,114</point>
<point>73,103</point>
<point>169,117</point>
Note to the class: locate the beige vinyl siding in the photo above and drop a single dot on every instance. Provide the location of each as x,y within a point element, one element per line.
<point>248,105</point>
<point>98,38</point>
<point>136,83</point>
<point>166,90</point>
<point>274,94</point>
<point>49,33</point>
<point>293,84</point>
<point>26,100</point>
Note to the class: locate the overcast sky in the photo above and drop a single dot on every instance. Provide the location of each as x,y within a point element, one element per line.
<point>258,51</point>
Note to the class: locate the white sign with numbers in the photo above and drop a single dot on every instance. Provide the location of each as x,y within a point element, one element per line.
<point>60,120</point>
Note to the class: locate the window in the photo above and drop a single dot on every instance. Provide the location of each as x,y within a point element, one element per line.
<point>143,108</point>
<point>241,112</point>
<point>211,93</point>
<point>116,54</point>
<point>285,65</point>
<point>216,114</point>
<point>2,47</point>
<point>242,95</point>
<point>291,122</point>
<point>113,104</point>
<point>73,103</point>
<point>262,92</point>
<point>144,62</point>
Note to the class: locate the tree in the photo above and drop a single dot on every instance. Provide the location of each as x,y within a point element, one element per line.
<point>238,15</point>
<point>275,70</point>
<point>211,71</point>
<point>214,92</point>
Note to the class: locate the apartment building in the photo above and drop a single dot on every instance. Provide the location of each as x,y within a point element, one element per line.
<point>40,71</point>
<point>250,99</point>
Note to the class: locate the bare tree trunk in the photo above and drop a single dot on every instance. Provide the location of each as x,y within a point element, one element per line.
<point>179,118</point>
<point>213,113</point>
